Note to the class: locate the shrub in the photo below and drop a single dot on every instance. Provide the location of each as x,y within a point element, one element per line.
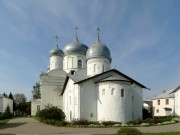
<point>61,123</point>
<point>80,122</point>
<point>135,122</point>
<point>163,119</point>
<point>51,113</point>
<point>94,122</point>
<point>110,123</point>
<point>129,131</point>
<point>7,114</point>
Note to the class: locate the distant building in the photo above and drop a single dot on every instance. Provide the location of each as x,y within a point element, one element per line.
<point>147,104</point>
<point>4,103</point>
<point>177,101</point>
<point>165,104</point>
<point>81,82</point>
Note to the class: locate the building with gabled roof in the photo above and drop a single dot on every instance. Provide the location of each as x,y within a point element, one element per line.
<point>167,103</point>
<point>81,82</point>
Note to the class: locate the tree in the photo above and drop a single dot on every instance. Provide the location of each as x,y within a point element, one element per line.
<point>19,98</point>
<point>20,101</point>
<point>11,96</point>
<point>36,91</point>
<point>5,95</point>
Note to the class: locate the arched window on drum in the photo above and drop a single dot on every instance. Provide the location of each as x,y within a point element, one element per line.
<point>79,63</point>
<point>112,91</point>
<point>122,92</point>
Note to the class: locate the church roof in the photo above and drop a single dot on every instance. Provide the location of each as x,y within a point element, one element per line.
<point>75,47</point>
<point>167,94</point>
<point>81,77</point>
<point>98,50</point>
<point>56,51</point>
<point>120,73</point>
<point>112,78</point>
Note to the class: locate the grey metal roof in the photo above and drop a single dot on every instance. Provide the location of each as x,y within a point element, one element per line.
<point>112,78</point>
<point>116,71</point>
<point>75,47</point>
<point>176,89</point>
<point>167,94</point>
<point>98,50</point>
<point>79,75</point>
<point>56,51</point>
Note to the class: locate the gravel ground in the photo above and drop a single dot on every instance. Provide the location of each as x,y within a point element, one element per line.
<point>29,126</point>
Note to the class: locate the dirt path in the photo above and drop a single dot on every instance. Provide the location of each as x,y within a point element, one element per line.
<point>30,126</point>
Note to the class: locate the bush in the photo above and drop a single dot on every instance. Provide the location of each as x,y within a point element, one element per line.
<point>129,131</point>
<point>61,123</point>
<point>51,113</point>
<point>7,114</point>
<point>135,122</point>
<point>110,123</point>
<point>80,122</point>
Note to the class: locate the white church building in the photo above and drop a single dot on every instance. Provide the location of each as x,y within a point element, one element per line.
<point>82,83</point>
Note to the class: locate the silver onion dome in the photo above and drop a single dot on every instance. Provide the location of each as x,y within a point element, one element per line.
<point>98,50</point>
<point>56,51</point>
<point>75,47</point>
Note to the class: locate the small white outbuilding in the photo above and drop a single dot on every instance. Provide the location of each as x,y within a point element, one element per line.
<point>4,103</point>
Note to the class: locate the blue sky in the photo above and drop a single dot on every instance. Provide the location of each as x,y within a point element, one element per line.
<point>142,35</point>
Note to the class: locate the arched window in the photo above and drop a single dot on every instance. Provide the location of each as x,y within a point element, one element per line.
<point>102,68</point>
<point>94,68</point>
<point>79,63</point>
<point>103,92</point>
<point>38,107</point>
<point>112,91</point>
<point>122,92</point>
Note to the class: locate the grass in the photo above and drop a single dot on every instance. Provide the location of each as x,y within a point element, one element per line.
<point>4,121</point>
<point>167,133</point>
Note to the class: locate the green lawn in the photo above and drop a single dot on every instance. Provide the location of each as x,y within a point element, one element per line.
<point>168,133</point>
<point>4,121</point>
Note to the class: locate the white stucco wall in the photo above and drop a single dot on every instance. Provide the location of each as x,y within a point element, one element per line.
<point>177,103</point>
<point>111,106</point>
<point>35,106</point>
<point>70,101</point>
<point>97,66</point>
<point>51,85</point>
<point>4,102</point>
<point>70,62</point>
<point>137,102</point>
<point>159,110</point>
<point>56,62</point>
<point>88,100</point>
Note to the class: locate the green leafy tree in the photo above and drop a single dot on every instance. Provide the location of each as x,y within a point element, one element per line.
<point>7,114</point>
<point>36,91</point>
<point>20,101</point>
